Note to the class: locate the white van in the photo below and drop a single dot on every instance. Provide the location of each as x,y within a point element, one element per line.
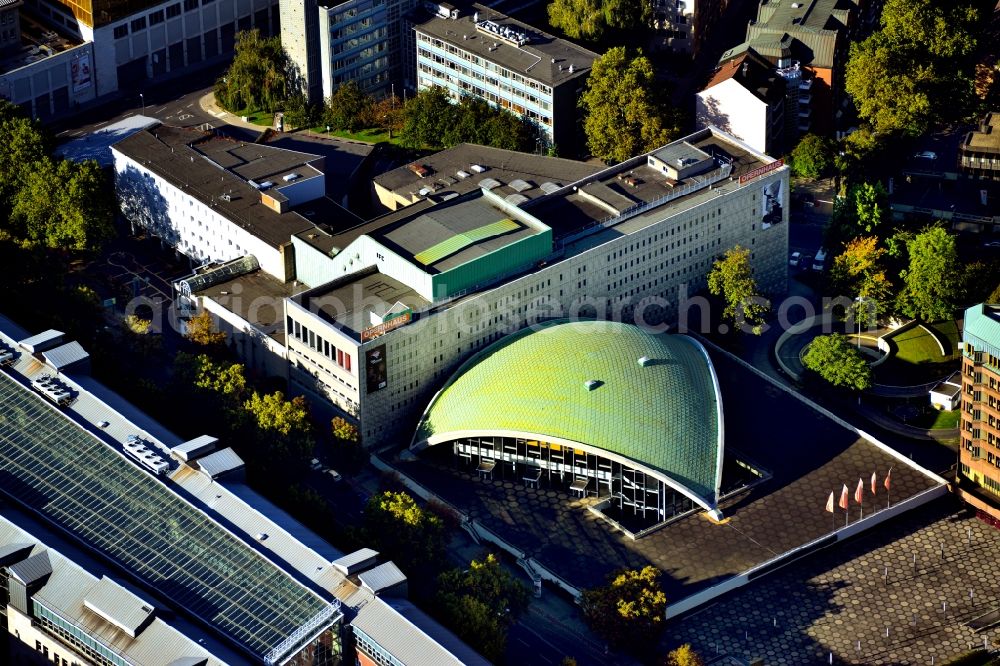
<point>819,262</point>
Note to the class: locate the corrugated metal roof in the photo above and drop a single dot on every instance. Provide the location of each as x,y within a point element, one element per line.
<point>65,355</point>
<point>382,577</point>
<point>195,447</point>
<point>411,636</point>
<point>220,462</point>
<point>14,551</point>
<point>118,606</point>
<point>42,341</point>
<point>348,563</point>
<point>32,569</point>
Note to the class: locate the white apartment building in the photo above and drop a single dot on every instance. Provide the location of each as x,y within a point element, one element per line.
<point>419,290</point>
<point>480,52</point>
<point>215,199</point>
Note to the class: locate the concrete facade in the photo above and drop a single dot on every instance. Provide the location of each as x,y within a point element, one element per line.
<point>641,274</point>
<point>979,454</point>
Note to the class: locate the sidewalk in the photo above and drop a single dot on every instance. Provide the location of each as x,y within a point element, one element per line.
<point>208,105</point>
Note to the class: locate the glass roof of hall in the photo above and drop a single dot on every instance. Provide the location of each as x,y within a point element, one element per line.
<point>54,467</point>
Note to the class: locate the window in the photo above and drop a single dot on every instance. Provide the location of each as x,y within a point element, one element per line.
<point>139,24</point>
<point>156,17</point>
<point>121,30</point>
<point>190,4</point>
<point>174,10</point>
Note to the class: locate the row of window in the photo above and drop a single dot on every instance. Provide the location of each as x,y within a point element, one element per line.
<point>94,650</point>
<point>157,17</point>
<point>485,64</point>
<point>491,81</point>
<point>317,343</point>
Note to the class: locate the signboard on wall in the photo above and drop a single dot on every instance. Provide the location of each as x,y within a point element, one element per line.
<point>375,369</point>
<point>398,320</point>
<point>771,200</point>
<point>761,171</point>
<point>80,72</point>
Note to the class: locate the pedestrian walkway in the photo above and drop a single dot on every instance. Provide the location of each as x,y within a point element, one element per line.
<point>898,595</point>
<point>211,107</point>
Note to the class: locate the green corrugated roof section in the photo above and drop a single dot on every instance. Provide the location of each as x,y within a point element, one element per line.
<point>663,415</point>
<point>457,242</point>
<point>982,322</point>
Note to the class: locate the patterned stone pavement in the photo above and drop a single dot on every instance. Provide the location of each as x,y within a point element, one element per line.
<point>838,600</point>
<point>807,454</point>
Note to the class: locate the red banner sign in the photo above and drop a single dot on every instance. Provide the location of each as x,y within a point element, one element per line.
<point>386,326</point>
<point>760,171</point>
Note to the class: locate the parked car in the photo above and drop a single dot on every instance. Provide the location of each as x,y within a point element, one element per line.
<point>819,261</point>
<point>315,464</point>
<point>991,244</point>
<point>335,474</point>
<point>926,155</point>
<point>795,259</point>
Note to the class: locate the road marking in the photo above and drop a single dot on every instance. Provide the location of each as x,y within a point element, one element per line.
<point>103,122</point>
<point>189,105</point>
<point>161,110</point>
<point>184,116</point>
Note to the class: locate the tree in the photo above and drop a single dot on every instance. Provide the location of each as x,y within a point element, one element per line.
<point>63,205</point>
<point>299,112</point>
<point>481,603</point>
<point>916,69</point>
<point>863,210</point>
<point>684,656</point>
<point>348,108</point>
<point>273,414</point>
<point>931,282</point>
<point>859,272</point>
<point>812,157</point>
<point>201,330</point>
<point>731,278</point>
<point>398,528</point>
<point>427,118</point>
<point>834,359</point>
<point>24,145</point>
<point>344,431</point>
<point>593,19</point>
<point>221,386</point>
<point>388,113</point>
<point>629,610</point>
<point>624,114</point>
<point>260,76</point>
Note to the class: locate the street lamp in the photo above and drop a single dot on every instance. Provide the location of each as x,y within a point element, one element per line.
<point>143,100</point>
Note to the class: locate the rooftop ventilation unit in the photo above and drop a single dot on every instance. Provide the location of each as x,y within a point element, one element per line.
<point>462,174</point>
<point>645,361</point>
<point>477,168</point>
<point>592,384</point>
<point>290,177</point>
<point>266,185</point>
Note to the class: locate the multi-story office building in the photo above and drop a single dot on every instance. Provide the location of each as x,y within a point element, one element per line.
<point>215,199</point>
<point>333,42</point>
<point>686,26</point>
<point>979,454</point>
<point>372,316</point>
<point>979,152</point>
<point>104,46</point>
<point>479,52</point>
<point>10,25</point>
<point>419,290</point>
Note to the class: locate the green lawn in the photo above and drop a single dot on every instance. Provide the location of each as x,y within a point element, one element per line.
<point>262,118</point>
<point>917,346</point>
<point>949,330</point>
<point>933,419</point>
<point>369,135</point>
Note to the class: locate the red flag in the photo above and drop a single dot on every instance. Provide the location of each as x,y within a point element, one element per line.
<point>843,498</point>
<point>888,476</point>
<point>859,492</point>
<point>873,484</point>
<point>829,502</point>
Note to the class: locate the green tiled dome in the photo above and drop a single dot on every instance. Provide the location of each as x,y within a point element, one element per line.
<point>655,399</point>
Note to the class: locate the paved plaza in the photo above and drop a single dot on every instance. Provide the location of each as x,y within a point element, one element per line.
<point>807,454</point>
<point>839,597</point>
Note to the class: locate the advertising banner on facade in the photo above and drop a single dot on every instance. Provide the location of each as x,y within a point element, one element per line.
<point>80,72</point>
<point>771,210</point>
<point>375,369</point>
